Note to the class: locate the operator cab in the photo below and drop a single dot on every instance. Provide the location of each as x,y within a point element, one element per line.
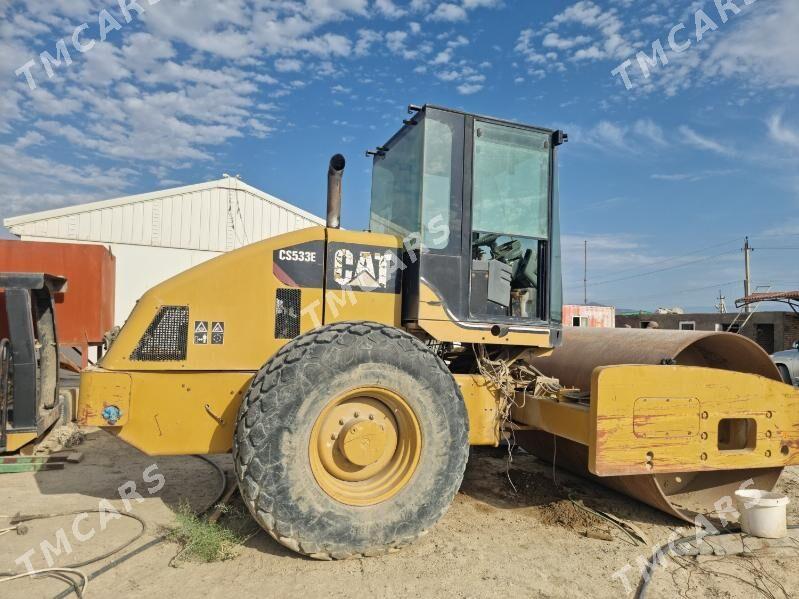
<point>475,199</point>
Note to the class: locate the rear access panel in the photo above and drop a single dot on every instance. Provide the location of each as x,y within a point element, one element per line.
<point>657,419</point>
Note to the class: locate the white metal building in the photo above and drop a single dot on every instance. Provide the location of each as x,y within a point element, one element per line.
<point>157,235</point>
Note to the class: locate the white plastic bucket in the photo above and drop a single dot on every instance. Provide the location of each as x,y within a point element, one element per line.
<point>763,514</point>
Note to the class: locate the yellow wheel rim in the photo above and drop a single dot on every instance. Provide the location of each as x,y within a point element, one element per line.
<point>365,446</point>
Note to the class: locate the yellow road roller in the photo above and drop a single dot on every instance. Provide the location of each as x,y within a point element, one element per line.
<point>349,372</point>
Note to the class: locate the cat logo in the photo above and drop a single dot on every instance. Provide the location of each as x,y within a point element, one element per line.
<point>369,271</point>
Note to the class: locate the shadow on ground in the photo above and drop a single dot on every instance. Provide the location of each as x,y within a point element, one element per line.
<point>523,482</point>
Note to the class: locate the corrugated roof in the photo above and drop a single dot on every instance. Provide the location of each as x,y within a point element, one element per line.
<point>224,183</point>
<point>216,216</point>
<point>776,296</point>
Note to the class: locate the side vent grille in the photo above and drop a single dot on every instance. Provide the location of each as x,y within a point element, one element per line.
<point>166,337</point>
<point>287,313</point>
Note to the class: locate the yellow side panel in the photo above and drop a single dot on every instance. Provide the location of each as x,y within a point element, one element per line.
<point>437,322</point>
<point>100,389</point>
<point>483,409</point>
<point>385,308</point>
<point>16,440</point>
<point>562,418</point>
<point>238,289</point>
<point>658,419</point>
<point>174,413</point>
<point>355,303</point>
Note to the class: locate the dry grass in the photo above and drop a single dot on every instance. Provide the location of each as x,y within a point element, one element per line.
<point>204,541</point>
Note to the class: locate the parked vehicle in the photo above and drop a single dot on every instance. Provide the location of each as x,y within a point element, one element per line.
<point>788,364</point>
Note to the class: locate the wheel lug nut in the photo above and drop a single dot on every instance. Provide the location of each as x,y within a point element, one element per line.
<point>333,437</point>
<point>356,414</point>
<point>341,421</point>
<point>371,416</point>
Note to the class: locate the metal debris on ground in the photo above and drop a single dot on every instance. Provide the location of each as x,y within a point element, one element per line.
<point>60,438</point>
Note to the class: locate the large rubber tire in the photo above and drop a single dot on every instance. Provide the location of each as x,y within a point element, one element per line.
<point>276,418</point>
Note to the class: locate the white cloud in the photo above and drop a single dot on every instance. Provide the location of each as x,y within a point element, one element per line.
<point>397,43</point>
<point>781,133</point>
<point>761,47</point>
<point>525,45</point>
<point>467,89</point>
<point>588,15</point>
<point>395,40</point>
<point>443,57</point>
<point>701,142</point>
<point>31,138</point>
<point>265,78</point>
<point>33,183</point>
<point>388,9</point>
<point>649,130</point>
<point>610,135</point>
<point>755,48</point>
<point>366,37</point>
<point>471,4</point>
<point>449,12</point>
<point>608,253</point>
<point>553,40</point>
<point>288,65</point>
<point>626,137</point>
<point>259,128</point>
<point>179,83</point>
<point>457,42</point>
<point>692,177</point>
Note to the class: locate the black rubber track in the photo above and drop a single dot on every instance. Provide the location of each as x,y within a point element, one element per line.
<point>270,448</point>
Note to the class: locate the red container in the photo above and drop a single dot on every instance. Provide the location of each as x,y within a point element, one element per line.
<point>86,311</point>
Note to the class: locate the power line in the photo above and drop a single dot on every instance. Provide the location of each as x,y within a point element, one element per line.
<point>684,291</point>
<point>747,249</point>
<point>776,235</point>
<point>659,270</point>
<point>671,259</point>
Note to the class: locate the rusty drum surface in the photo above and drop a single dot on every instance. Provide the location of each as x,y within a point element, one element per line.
<point>683,495</point>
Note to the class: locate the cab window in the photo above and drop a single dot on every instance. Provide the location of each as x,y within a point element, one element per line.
<point>396,186</point>
<point>511,181</point>
<point>510,221</point>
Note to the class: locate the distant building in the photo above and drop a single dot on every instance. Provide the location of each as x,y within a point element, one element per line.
<point>589,316</point>
<point>773,331</point>
<point>157,235</point>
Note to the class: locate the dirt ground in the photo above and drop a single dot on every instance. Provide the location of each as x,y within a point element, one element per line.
<point>494,542</point>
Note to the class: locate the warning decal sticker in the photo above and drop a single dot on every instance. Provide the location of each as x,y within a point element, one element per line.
<point>217,332</point>
<point>200,332</point>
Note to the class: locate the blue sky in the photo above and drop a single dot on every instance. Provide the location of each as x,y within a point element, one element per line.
<point>663,179</point>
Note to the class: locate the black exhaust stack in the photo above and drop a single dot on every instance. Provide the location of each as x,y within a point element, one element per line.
<point>334,174</point>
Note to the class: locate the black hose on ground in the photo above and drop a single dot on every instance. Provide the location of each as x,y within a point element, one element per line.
<point>127,556</point>
<point>136,537</point>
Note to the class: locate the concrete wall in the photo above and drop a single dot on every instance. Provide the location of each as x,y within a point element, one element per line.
<point>785,325</point>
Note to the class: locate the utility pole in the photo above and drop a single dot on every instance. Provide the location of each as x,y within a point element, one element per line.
<point>747,273</point>
<point>722,305</point>
<point>585,273</point>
